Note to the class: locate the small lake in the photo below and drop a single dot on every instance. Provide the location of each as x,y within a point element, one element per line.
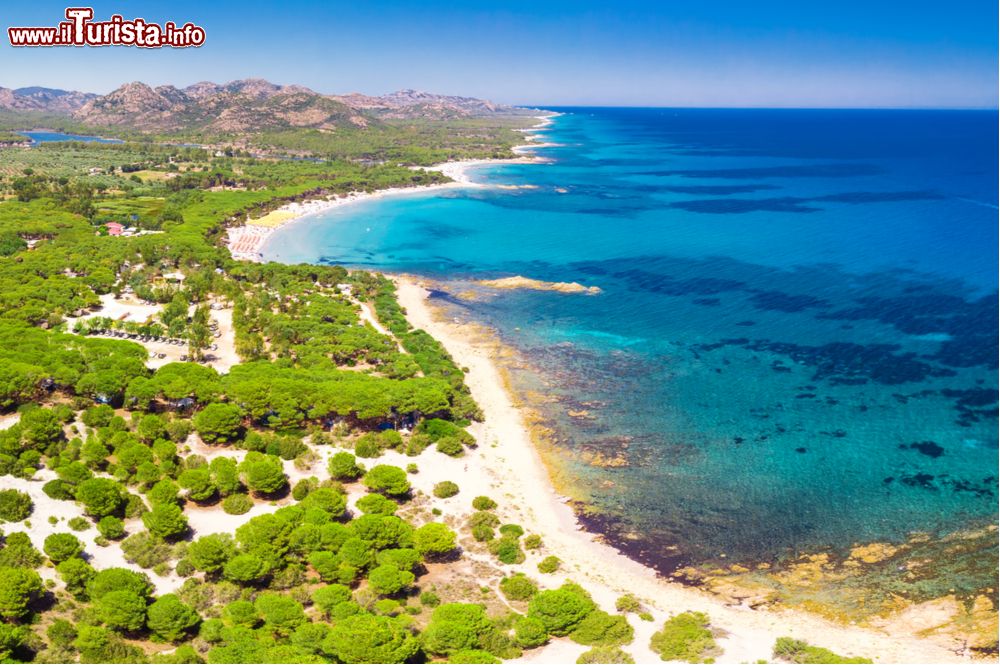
<point>48,137</point>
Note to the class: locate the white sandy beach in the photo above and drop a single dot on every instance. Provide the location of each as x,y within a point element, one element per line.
<point>246,242</point>
<point>507,465</point>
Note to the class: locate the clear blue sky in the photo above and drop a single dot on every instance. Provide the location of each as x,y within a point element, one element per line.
<point>847,53</point>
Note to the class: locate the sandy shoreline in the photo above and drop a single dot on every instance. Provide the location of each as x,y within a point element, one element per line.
<point>507,466</point>
<point>246,242</point>
<point>508,455</point>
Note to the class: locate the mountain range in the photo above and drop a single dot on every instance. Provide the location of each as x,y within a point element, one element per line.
<point>36,98</point>
<point>242,106</point>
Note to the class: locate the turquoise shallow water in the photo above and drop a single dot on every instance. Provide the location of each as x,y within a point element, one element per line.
<point>795,345</point>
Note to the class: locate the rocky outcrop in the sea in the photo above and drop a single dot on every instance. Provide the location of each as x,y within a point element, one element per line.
<point>885,585</point>
<point>519,282</point>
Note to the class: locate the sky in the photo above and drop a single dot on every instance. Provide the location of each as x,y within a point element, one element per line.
<point>703,53</point>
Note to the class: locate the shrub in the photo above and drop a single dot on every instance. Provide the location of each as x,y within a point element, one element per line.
<point>241,613</point>
<point>549,564</point>
<point>530,632</point>
<point>533,542</point>
<point>602,629</point>
<point>367,446</point>
<point>58,489</point>
<point>450,446</point>
<point>170,619</point>
<point>282,615</point>
<point>245,569</point>
<point>218,422</point>
<point>166,520</point>
<point>518,587</point>
<point>111,527</point>
<point>117,579</point>
<point>507,550</point>
<point>343,466</point>
<point>198,483</point>
<point>429,599</point>
<point>15,506</point>
<point>210,553</point>
<point>403,558</point>
<point>98,416</point>
<point>512,530</point>
<point>797,651</point>
<point>417,444</point>
<point>76,574</point>
<point>18,552</point>
<point>471,656</point>
<point>237,504</point>
<point>100,496</point>
<point>331,501</point>
<point>387,606</point>
<point>386,479</point>
<point>263,474</point>
<point>376,504</point>
<point>145,550</point>
<point>62,546</point>
<point>685,637</point>
<point>438,429</point>
<point>389,580</point>
<point>434,539</point>
<point>61,633</point>
<point>445,489</point>
<point>562,609</point>
<point>609,655</point>
<point>483,517</point>
<point>122,610</point>
<point>483,533</point>
<point>484,503</point>
<point>369,638</point>
<point>331,595</point>
<point>302,488</point>
<point>19,588</point>
<point>455,627</point>
<point>165,491</point>
<point>628,603</point>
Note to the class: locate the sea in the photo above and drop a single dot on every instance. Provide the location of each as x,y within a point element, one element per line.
<point>794,347</point>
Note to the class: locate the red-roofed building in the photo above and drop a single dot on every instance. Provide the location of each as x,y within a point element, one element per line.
<point>114,228</point>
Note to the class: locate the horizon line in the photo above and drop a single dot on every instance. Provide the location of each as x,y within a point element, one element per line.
<point>763,108</point>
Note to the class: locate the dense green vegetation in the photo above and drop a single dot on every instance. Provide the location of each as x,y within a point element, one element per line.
<point>275,445</point>
<point>686,637</point>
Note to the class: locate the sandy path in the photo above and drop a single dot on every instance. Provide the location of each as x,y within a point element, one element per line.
<point>225,356</point>
<point>507,464</point>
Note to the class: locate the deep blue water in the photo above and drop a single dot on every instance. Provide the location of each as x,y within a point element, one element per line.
<point>795,346</point>
<point>47,137</point>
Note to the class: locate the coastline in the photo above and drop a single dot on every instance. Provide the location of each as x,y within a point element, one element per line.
<point>246,242</point>
<point>507,464</point>
<point>509,457</point>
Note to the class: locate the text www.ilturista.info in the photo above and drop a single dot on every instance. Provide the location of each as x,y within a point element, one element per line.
<point>80,30</point>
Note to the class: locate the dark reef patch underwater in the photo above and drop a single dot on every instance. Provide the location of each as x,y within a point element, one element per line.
<point>754,385</point>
